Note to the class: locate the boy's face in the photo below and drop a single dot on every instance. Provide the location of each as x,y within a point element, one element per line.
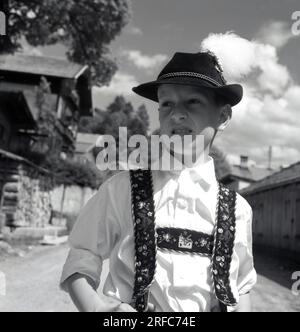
<point>188,110</point>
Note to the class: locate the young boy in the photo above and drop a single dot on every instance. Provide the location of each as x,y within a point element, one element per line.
<point>176,240</point>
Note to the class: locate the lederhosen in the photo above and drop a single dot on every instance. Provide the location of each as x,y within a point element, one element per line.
<point>148,238</point>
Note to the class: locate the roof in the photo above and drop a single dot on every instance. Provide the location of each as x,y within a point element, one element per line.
<point>40,65</point>
<point>85,142</point>
<point>23,69</point>
<point>251,173</point>
<point>285,176</point>
<point>9,155</point>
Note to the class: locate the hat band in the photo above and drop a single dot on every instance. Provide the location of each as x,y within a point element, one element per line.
<point>190,74</point>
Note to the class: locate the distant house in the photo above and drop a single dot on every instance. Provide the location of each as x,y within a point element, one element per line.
<point>70,95</point>
<point>276,209</point>
<point>84,147</point>
<point>242,175</point>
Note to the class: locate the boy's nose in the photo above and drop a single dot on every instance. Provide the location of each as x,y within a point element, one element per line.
<point>178,114</point>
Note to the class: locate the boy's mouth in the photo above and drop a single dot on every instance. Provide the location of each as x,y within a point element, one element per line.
<point>182,131</point>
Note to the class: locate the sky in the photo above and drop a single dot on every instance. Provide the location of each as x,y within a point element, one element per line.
<point>256,47</point>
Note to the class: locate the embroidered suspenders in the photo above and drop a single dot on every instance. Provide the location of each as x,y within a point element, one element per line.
<point>223,245</point>
<point>145,237</point>
<point>148,238</point>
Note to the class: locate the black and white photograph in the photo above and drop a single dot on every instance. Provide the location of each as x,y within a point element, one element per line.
<point>150,158</point>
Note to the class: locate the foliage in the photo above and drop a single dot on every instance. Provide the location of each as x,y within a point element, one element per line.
<point>85,27</point>
<point>119,113</point>
<point>70,172</point>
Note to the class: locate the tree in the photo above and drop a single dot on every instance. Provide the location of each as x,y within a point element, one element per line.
<point>120,113</point>
<point>143,115</point>
<point>86,27</point>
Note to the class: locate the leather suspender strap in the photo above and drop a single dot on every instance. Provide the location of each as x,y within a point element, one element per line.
<point>145,238</point>
<point>223,246</point>
<point>223,307</point>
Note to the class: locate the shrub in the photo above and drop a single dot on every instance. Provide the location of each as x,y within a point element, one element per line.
<point>70,172</point>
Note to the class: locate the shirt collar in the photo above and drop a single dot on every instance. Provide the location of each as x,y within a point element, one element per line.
<point>201,172</point>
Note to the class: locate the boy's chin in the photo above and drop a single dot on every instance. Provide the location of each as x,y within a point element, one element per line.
<point>188,156</point>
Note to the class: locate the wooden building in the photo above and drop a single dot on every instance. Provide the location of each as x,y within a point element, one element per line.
<point>70,97</point>
<point>25,187</point>
<point>243,175</point>
<point>275,201</point>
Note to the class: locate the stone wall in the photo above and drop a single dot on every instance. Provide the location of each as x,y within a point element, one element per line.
<point>25,192</point>
<point>29,199</point>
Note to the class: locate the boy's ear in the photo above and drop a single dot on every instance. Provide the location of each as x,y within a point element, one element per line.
<point>225,114</point>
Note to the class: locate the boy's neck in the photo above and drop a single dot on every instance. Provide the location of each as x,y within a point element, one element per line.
<point>196,160</point>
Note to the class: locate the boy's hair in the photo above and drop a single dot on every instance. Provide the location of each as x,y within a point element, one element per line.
<point>221,100</point>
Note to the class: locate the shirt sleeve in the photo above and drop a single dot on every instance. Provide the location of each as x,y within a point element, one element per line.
<point>92,237</point>
<point>247,276</point>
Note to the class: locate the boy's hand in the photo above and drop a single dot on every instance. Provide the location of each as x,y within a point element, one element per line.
<point>124,307</point>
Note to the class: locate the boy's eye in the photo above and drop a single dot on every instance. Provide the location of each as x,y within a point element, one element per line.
<point>166,104</point>
<point>194,101</point>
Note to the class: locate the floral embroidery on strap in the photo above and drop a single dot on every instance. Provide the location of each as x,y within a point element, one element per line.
<point>145,239</point>
<point>223,246</point>
<point>184,240</point>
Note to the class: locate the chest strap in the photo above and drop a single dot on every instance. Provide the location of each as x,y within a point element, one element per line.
<point>184,240</point>
<point>147,239</point>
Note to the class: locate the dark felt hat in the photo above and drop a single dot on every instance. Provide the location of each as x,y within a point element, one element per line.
<point>197,69</point>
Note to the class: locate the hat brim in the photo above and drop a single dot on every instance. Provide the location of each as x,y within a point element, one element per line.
<point>233,93</point>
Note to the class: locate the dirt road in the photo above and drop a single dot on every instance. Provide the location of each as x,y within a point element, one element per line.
<point>32,283</point>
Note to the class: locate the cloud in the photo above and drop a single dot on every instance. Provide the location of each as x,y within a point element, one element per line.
<point>133,30</point>
<point>121,84</point>
<point>275,33</point>
<point>240,57</point>
<point>143,61</point>
<point>269,112</point>
<point>228,47</point>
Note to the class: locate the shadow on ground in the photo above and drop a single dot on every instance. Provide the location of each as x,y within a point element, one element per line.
<point>275,266</point>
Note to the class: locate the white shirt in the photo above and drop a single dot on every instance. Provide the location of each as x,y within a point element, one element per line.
<point>183,199</point>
